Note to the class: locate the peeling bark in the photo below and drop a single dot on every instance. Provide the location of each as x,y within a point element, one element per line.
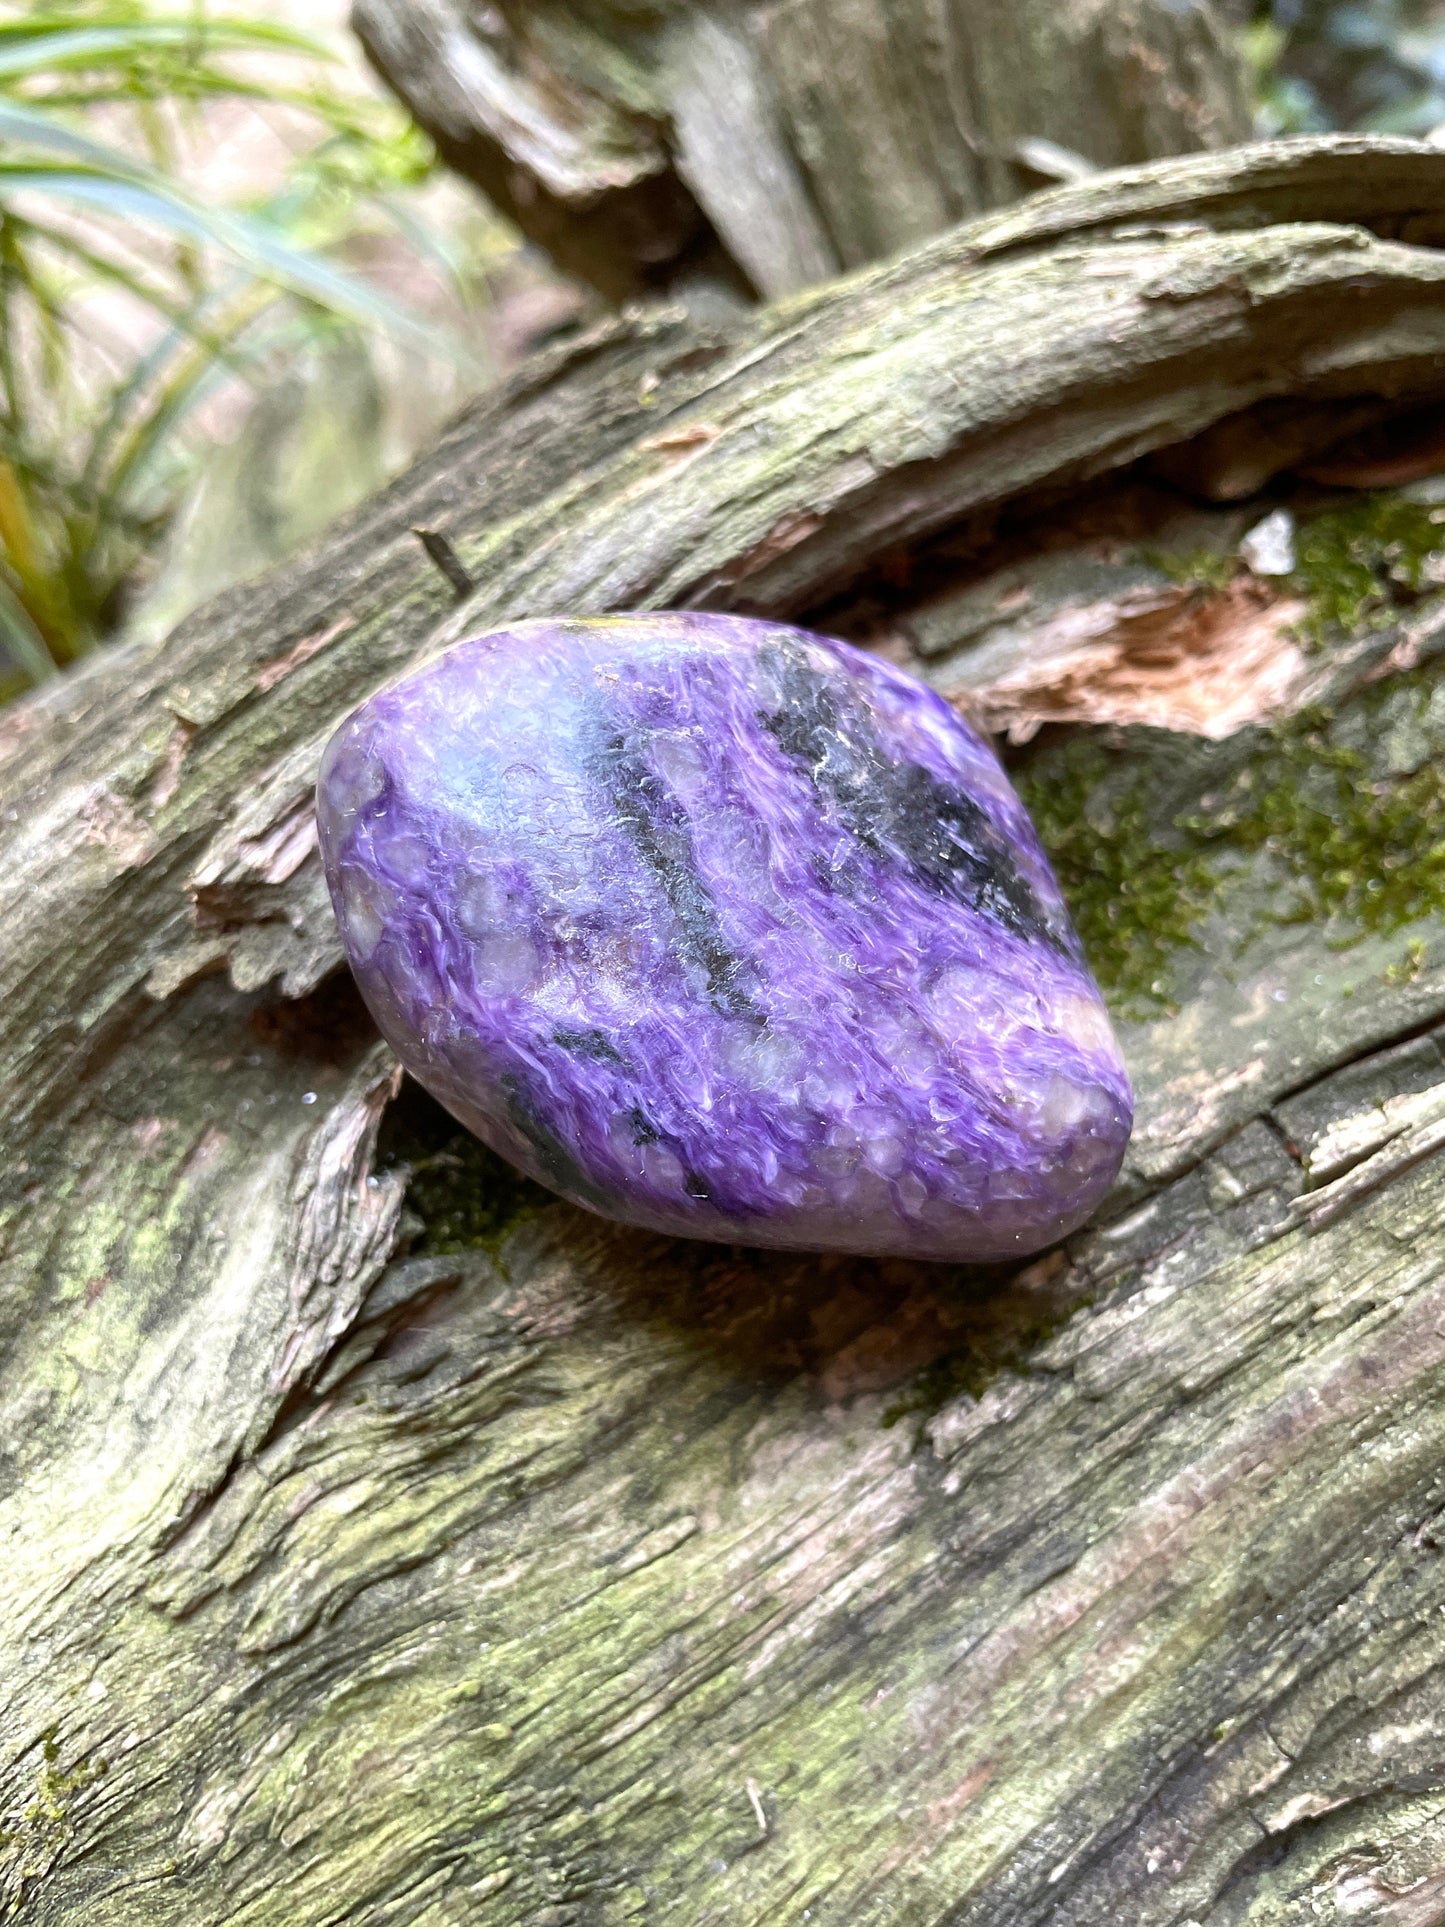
<point>366,1564</point>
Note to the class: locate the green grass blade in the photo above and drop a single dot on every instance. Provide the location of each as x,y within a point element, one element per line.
<point>79,249</point>
<point>21,639</point>
<point>194,333</point>
<point>39,50</point>
<point>177,384</point>
<point>30,127</point>
<point>202,82</point>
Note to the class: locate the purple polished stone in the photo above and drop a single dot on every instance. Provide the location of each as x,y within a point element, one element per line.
<point>723,929</point>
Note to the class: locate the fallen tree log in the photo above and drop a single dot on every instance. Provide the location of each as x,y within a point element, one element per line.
<point>385,1543</point>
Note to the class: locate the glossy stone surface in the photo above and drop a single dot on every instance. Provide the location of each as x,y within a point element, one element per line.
<point>723,929</point>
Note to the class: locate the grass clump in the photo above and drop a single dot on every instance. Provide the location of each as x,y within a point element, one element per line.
<point>127,299</point>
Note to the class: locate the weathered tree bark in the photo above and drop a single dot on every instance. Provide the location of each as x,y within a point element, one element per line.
<point>467,1560</point>
<point>770,145</point>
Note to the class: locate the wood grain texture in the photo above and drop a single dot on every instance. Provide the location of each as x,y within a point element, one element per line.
<point>771,145</point>
<point>570,1576</point>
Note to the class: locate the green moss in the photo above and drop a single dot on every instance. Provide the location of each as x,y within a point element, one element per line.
<point>1357,563</point>
<point>1407,968</point>
<point>972,1367</point>
<point>959,1374</point>
<point>1356,847</point>
<point>466,1197</point>
<point>31,1837</point>
<point>967,1370</point>
<point>1335,839</point>
<point>1136,897</point>
<point>1211,569</point>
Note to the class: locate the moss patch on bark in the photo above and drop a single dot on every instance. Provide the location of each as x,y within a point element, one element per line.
<point>1338,821</point>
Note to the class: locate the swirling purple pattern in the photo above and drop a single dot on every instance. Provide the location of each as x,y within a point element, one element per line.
<point>726,930</point>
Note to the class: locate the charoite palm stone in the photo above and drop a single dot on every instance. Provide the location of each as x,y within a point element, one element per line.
<point>726,930</point>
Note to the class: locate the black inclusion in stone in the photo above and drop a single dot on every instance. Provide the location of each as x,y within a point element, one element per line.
<point>899,812</point>
<point>558,1166</point>
<point>658,827</point>
<point>645,1132</point>
<point>588,1043</point>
